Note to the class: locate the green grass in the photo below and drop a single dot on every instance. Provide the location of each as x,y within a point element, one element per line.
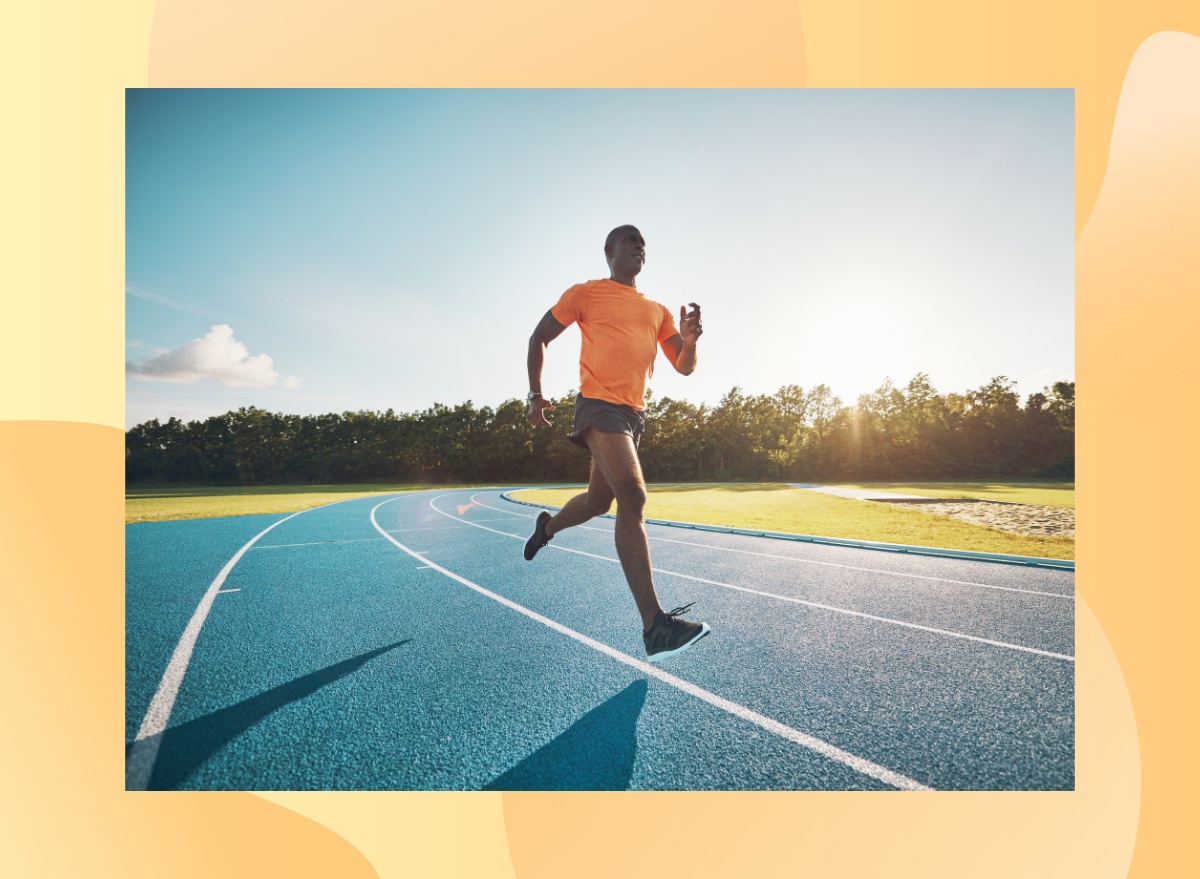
<point>164,504</point>
<point>1047,494</point>
<point>763,506</point>
<point>773,507</point>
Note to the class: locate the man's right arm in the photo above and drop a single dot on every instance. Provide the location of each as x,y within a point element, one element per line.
<point>548,329</point>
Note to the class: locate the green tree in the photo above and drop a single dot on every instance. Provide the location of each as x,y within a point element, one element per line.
<point>673,444</point>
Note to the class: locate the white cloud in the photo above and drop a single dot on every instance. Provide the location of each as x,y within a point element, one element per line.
<point>217,356</point>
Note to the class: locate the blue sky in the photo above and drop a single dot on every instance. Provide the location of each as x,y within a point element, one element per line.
<point>311,251</point>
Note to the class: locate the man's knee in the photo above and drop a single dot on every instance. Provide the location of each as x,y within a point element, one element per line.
<point>599,502</point>
<point>631,496</point>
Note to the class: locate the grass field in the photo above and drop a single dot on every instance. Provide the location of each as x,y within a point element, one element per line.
<point>770,507</point>
<point>774,507</point>
<point>1048,494</point>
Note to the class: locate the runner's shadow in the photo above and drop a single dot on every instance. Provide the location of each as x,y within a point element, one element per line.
<point>185,747</point>
<point>594,753</point>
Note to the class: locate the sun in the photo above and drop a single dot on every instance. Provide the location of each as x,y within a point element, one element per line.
<point>855,343</point>
<point>858,326</point>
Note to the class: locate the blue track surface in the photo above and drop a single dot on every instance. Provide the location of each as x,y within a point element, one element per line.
<point>344,662</point>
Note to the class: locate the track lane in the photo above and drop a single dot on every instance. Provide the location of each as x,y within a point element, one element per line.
<point>1049,582</point>
<point>1016,620</point>
<point>265,704</point>
<point>327,592</point>
<point>845,677</point>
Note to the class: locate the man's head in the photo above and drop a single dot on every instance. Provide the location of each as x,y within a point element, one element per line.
<point>625,250</point>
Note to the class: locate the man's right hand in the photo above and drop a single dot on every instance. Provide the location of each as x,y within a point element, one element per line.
<point>538,406</point>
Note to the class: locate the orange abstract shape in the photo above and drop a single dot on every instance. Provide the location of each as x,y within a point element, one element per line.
<point>1014,44</point>
<point>215,43</point>
<point>72,823</point>
<point>66,812</point>
<point>1138,280</point>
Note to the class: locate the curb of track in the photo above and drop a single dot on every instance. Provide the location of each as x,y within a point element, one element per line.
<point>962,554</point>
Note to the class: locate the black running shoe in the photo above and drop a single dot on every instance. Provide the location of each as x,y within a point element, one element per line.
<point>540,538</point>
<point>670,635</point>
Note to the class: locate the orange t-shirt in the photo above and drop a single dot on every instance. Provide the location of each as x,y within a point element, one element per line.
<point>621,330</point>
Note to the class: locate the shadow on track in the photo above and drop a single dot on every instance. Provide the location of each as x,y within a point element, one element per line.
<point>594,753</point>
<point>185,747</point>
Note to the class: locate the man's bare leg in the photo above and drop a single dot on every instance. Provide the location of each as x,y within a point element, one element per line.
<point>615,456</point>
<point>596,501</point>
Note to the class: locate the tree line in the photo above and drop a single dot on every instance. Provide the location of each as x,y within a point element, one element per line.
<point>891,434</point>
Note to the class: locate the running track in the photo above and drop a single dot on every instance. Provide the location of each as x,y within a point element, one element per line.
<point>401,642</point>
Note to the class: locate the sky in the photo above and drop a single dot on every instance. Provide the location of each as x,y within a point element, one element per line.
<point>314,251</point>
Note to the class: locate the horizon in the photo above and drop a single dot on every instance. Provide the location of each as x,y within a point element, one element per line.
<point>651,398</point>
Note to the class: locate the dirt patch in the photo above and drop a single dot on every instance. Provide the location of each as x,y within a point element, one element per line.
<point>1028,519</point>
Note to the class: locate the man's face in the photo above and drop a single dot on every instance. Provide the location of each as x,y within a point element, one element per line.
<point>628,253</point>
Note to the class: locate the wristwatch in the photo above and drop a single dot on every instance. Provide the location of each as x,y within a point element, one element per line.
<point>532,395</point>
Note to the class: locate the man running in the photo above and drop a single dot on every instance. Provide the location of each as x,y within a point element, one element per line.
<point>621,330</point>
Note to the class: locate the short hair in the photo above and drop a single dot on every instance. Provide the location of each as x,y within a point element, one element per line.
<point>612,236</point>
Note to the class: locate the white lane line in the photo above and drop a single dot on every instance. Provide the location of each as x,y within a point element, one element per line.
<point>144,751</point>
<point>1067,596</point>
<point>486,507</point>
<point>1064,595</point>
<point>356,540</point>
<point>316,542</point>
<point>821,747</point>
<point>498,510</point>
<point>828,607</point>
<point>226,591</point>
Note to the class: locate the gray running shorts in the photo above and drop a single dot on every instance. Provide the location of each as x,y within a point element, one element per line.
<point>606,417</point>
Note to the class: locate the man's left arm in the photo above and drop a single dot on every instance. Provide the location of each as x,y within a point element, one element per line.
<point>681,347</point>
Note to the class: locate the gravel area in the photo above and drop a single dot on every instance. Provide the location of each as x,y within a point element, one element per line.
<point>1029,519</point>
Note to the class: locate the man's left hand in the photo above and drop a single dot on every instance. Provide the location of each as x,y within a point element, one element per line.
<point>689,324</point>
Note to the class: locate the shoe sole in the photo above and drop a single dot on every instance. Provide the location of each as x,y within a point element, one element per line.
<point>530,548</point>
<point>666,654</point>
